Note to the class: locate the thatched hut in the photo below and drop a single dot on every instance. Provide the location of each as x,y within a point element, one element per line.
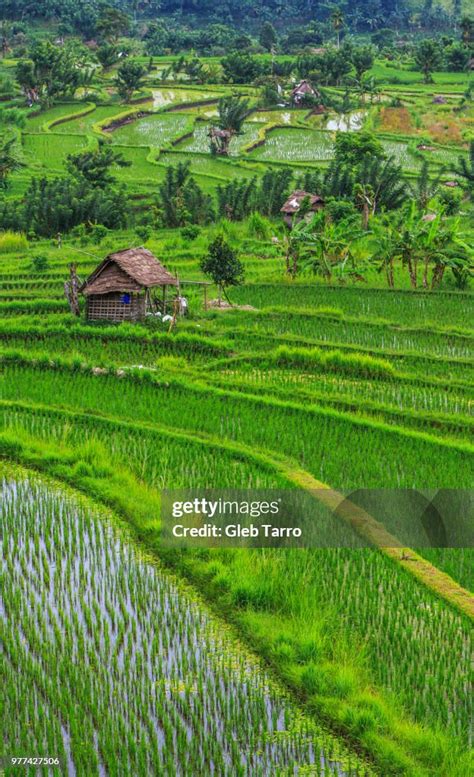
<point>303,90</point>
<point>293,204</point>
<point>119,288</point>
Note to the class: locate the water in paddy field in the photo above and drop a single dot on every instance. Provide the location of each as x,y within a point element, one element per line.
<point>114,666</point>
<point>349,123</point>
<point>167,96</point>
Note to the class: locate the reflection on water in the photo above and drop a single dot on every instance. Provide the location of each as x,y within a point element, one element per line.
<point>120,670</point>
<point>346,123</point>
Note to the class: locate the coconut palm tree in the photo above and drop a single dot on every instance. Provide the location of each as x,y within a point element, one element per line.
<point>337,19</point>
<point>232,113</point>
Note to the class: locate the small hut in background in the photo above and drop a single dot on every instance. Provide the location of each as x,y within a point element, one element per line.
<point>119,289</point>
<point>293,204</point>
<point>301,91</point>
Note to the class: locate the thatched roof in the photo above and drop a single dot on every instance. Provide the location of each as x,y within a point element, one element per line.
<point>132,269</point>
<point>304,87</point>
<point>293,203</point>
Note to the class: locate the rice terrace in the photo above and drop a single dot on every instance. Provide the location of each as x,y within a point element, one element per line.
<point>236,258</point>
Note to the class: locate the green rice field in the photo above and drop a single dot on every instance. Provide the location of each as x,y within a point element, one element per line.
<point>296,145</point>
<point>123,656</point>
<point>173,675</point>
<point>156,130</point>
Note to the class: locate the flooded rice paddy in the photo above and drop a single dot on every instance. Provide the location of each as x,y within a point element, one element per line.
<point>113,665</point>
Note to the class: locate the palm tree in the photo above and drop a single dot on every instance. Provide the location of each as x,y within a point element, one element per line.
<point>343,106</point>
<point>232,113</point>
<point>425,187</point>
<point>427,58</point>
<point>385,179</point>
<point>364,196</point>
<point>464,168</point>
<point>371,88</point>
<point>9,161</point>
<point>337,19</point>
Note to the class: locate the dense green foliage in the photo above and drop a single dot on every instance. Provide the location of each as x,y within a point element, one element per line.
<point>57,205</point>
<point>380,12</point>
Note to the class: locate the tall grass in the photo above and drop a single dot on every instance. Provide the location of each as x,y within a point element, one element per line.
<point>13,242</point>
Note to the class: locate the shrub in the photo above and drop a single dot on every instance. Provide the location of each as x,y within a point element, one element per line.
<point>258,226</point>
<point>12,242</point>
<point>349,364</point>
<point>40,263</point>
<point>190,232</point>
<point>99,233</point>
<point>450,201</point>
<point>143,233</point>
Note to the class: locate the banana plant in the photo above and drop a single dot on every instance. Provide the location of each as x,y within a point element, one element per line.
<point>329,248</point>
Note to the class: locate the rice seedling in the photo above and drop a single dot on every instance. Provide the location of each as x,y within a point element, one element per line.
<point>373,334</point>
<point>142,170</point>
<point>15,307</point>
<point>49,151</point>
<point>409,363</point>
<point>175,96</point>
<point>114,650</point>
<point>206,165</point>
<point>199,142</point>
<point>406,395</point>
<point>296,145</point>
<point>287,116</point>
<point>378,303</point>
<point>85,124</point>
<point>38,119</point>
<point>397,621</point>
<point>401,154</point>
<point>156,130</point>
<point>320,439</point>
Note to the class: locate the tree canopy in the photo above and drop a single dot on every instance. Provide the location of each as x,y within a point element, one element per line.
<point>114,15</point>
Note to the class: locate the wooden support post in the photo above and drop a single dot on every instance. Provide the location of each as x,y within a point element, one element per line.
<point>175,314</point>
<point>163,301</point>
<point>205,297</point>
<point>71,290</point>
